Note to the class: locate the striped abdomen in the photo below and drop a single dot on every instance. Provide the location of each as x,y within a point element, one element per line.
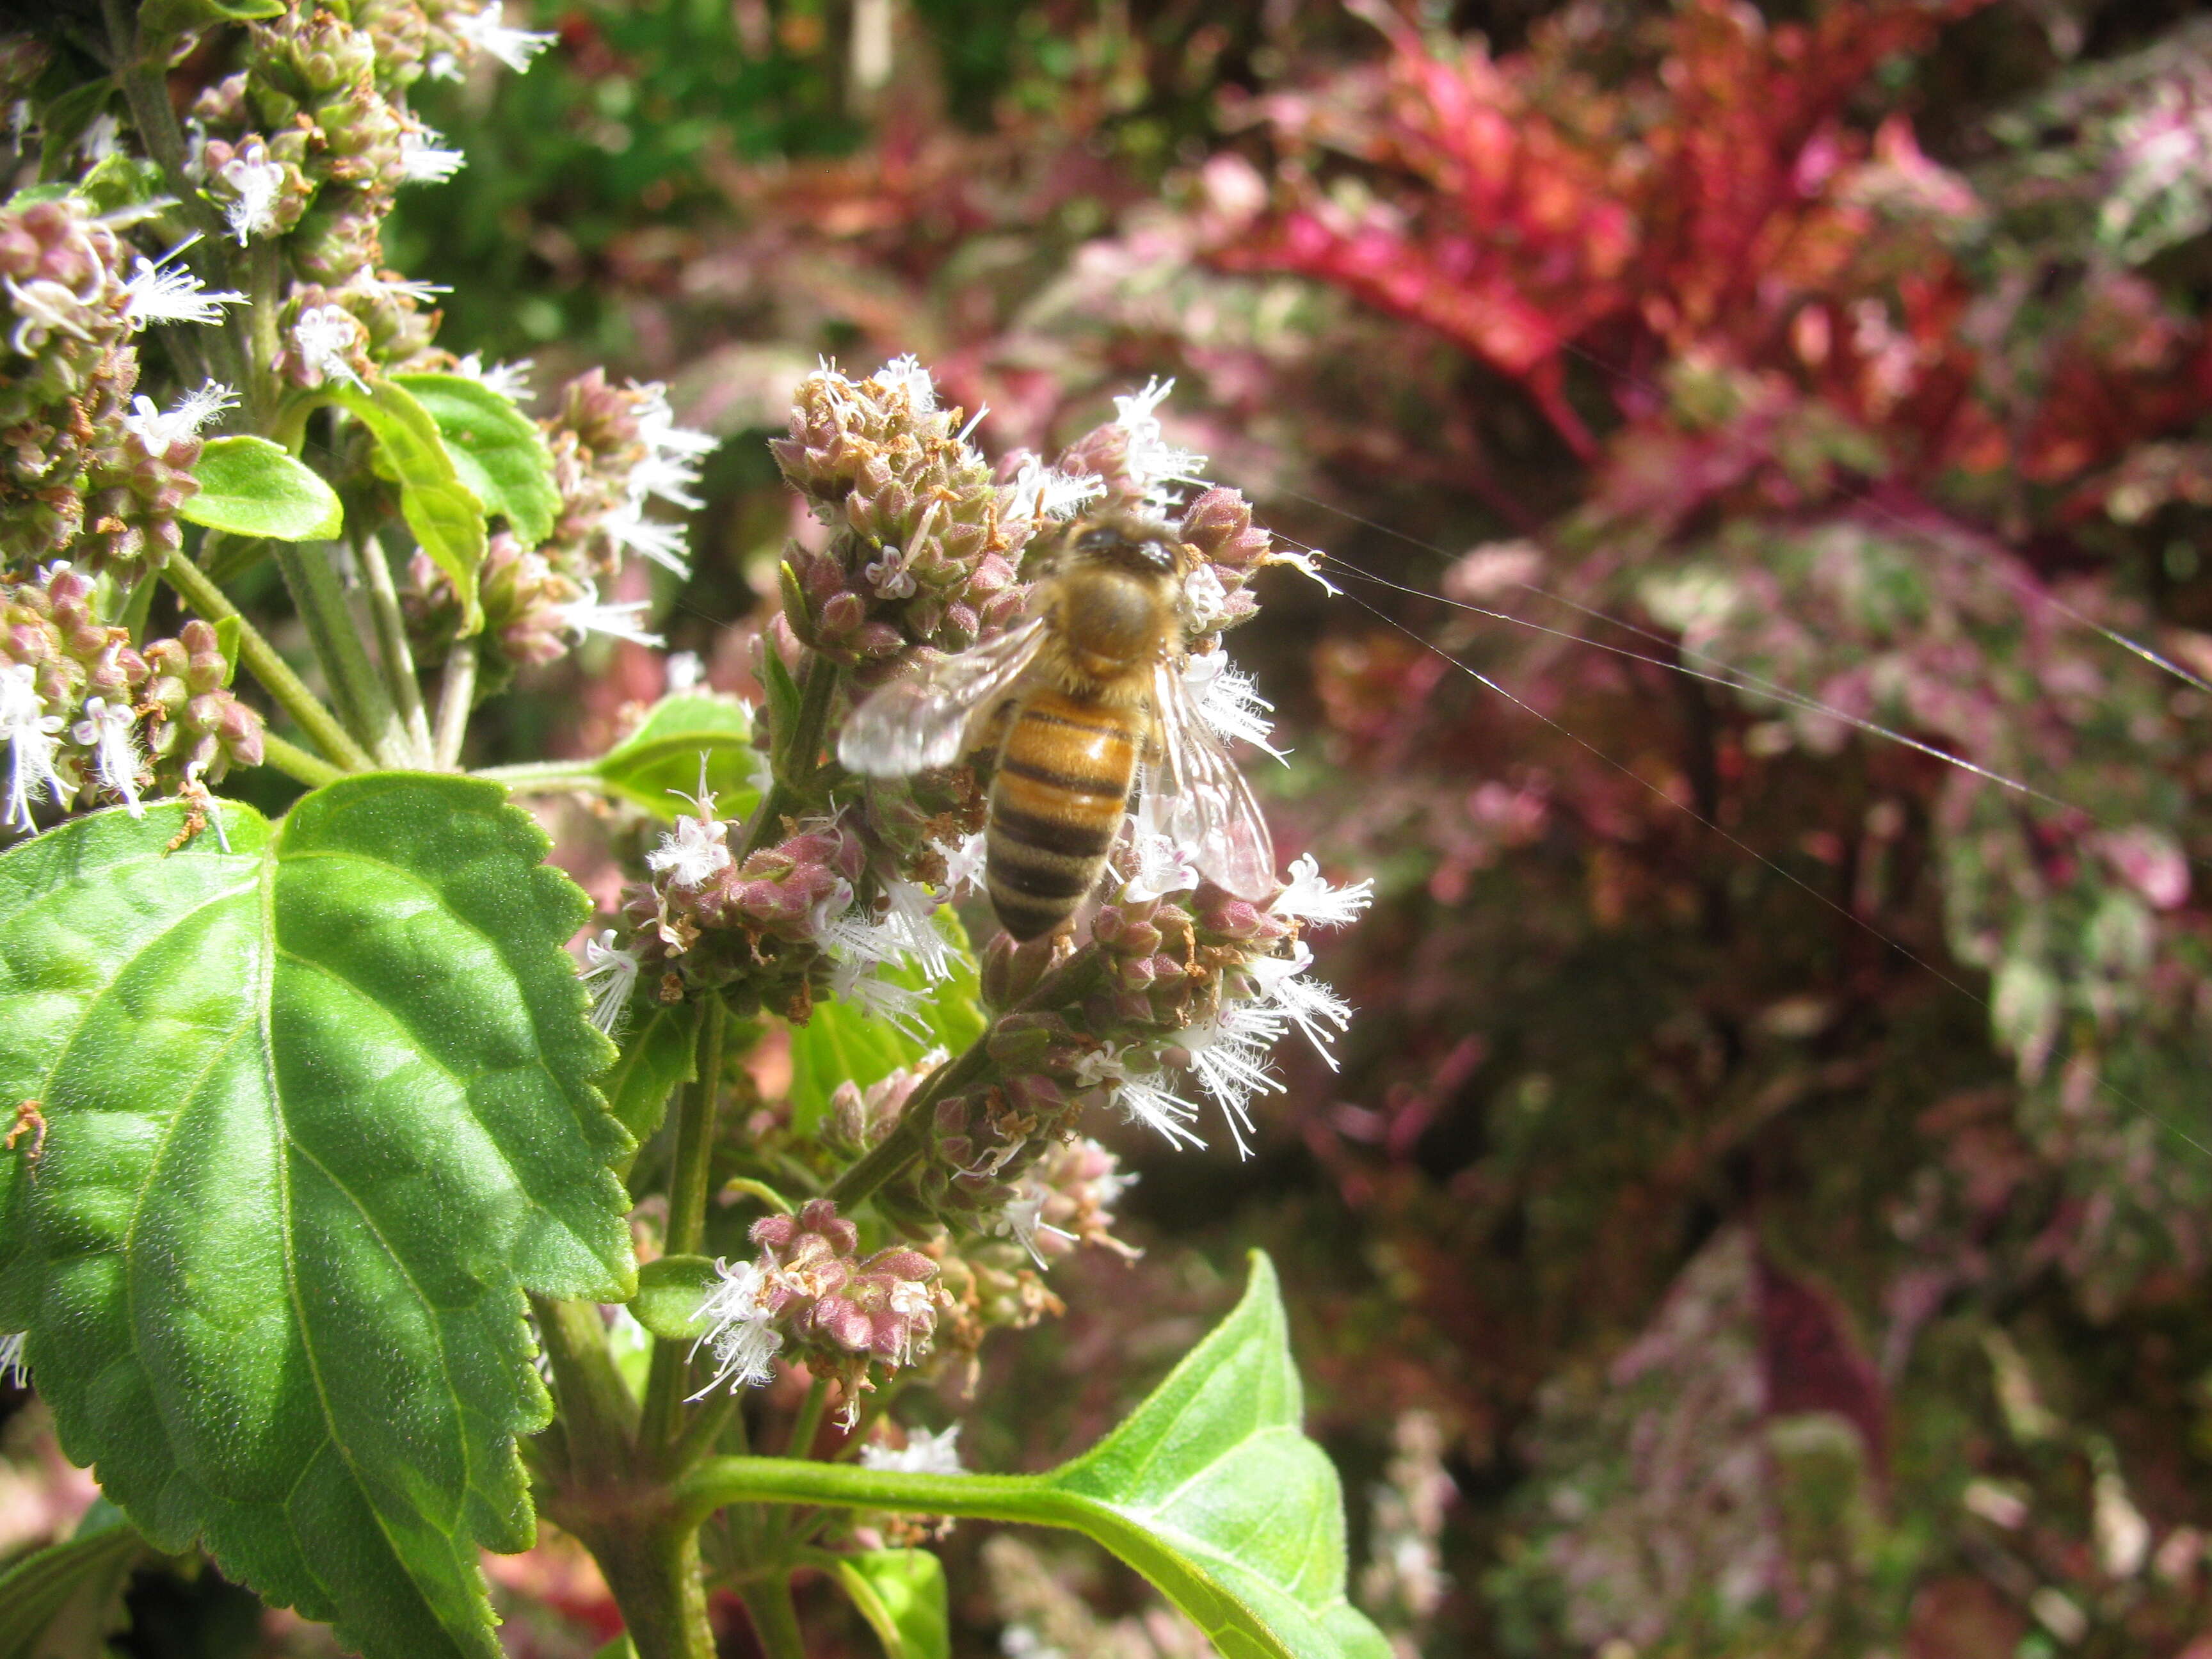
<point>1056,805</point>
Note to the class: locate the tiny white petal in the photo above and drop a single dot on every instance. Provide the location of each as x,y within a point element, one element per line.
<point>696,850</point>
<point>587,615</point>
<point>14,1371</point>
<point>30,733</point>
<point>740,1327</point>
<point>110,729</point>
<point>489,34</point>
<point>511,380</point>
<point>325,337</point>
<point>907,375</point>
<point>421,162</point>
<point>256,182</point>
<point>156,430</point>
<point>160,292</point>
<point>612,975</point>
<point>1226,699</point>
<point>924,1453</point>
<point>1308,898</point>
<point>627,527</point>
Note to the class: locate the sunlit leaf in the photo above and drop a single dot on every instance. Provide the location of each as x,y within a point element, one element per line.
<point>445,514</point>
<point>318,1109</point>
<point>670,1289</point>
<point>250,487</point>
<point>496,449</point>
<point>661,758</point>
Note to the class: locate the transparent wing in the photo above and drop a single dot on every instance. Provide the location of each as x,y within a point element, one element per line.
<point>1209,809</point>
<point>921,722</point>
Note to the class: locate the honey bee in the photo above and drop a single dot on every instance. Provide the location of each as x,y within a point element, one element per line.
<point>1079,695</point>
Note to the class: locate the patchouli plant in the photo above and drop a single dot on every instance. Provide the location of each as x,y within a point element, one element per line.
<point>347,1222</point>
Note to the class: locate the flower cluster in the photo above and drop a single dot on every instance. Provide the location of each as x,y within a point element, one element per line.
<point>87,716</point>
<point>808,1294</point>
<point>85,466</point>
<point>925,541</point>
<point>615,450</point>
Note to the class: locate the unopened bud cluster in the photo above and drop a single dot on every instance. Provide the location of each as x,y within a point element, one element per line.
<point>89,719</point>
<point>809,1295</point>
<point>75,477</point>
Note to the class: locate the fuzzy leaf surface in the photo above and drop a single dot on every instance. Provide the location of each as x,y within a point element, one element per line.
<point>496,449</point>
<point>318,1110</point>
<point>250,487</point>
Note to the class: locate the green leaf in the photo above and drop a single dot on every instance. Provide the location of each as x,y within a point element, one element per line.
<point>661,758</point>
<point>658,1049</point>
<point>162,18</point>
<point>839,1043</point>
<point>319,1111</point>
<point>498,450</point>
<point>669,1292</point>
<point>1213,1491</point>
<point>782,693</point>
<point>445,514</point>
<point>1210,1490</point>
<point>251,487</point>
<point>901,1593</point>
<point>80,1581</point>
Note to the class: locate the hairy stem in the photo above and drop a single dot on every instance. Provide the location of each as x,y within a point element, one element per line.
<point>355,686</point>
<point>552,778</point>
<point>296,763</point>
<point>776,1618</point>
<point>261,661</point>
<point>392,648</point>
<point>457,696</point>
<point>723,1480</point>
<point>798,757</point>
<point>687,1223</point>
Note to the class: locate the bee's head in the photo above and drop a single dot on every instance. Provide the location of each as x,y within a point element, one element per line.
<point>1134,541</point>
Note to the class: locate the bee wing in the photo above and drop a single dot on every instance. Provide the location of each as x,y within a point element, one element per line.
<point>921,722</point>
<point>1209,808</point>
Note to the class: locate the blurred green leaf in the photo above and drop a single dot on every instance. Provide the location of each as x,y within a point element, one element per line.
<point>251,487</point>
<point>80,1580</point>
<point>901,1593</point>
<point>669,1292</point>
<point>659,763</point>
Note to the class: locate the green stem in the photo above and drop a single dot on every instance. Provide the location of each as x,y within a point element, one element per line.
<point>723,1480</point>
<point>597,1411</point>
<point>799,757</point>
<point>775,1618</point>
<point>391,650</point>
<point>355,686</point>
<point>552,778</point>
<point>296,763</point>
<point>261,661</point>
<point>808,1424</point>
<point>456,697</point>
<point>687,1223</point>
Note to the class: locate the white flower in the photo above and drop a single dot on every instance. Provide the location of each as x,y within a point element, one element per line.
<point>156,430</point>
<point>855,979</point>
<point>697,849</point>
<point>1226,699</point>
<point>30,733</point>
<point>44,307</point>
<point>423,162</point>
<point>667,474</point>
<point>1157,862</point>
<point>1039,492</point>
<point>586,615</point>
<point>1310,899</point>
<point>1228,1054</point>
<point>907,375</point>
<point>110,729</point>
<point>1306,1003</point>
<point>407,287</point>
<point>159,291</point>
<point>964,864</point>
<point>1022,1220</point>
<point>627,526</point>
<point>511,380</point>
<point>924,1453</point>
<point>255,182</point>
<point>889,576</point>
<point>911,920</point>
<point>616,972</point>
<point>488,32</point>
<point>325,337</point>
<point>14,1370</point>
<point>1143,1094</point>
<point>740,1327</point>
<point>1152,463</point>
<point>98,141</point>
<point>656,424</point>
<point>685,671</point>
<point>1204,597</point>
